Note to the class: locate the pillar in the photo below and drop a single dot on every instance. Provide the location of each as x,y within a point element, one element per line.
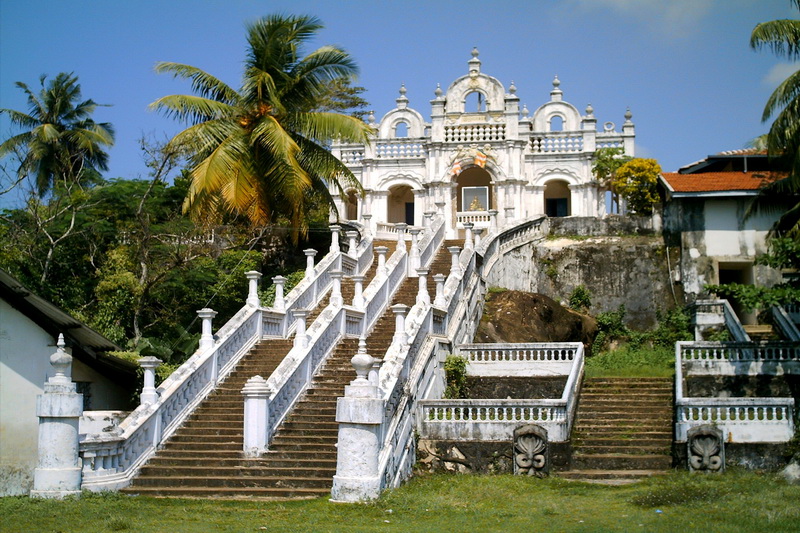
<point>335,229</point>
<point>280,303</point>
<point>359,414</point>
<point>381,251</point>
<point>455,265</point>
<point>413,255</point>
<point>427,218</point>
<point>59,408</point>
<point>300,337</point>
<point>439,300</point>
<point>358,293</point>
<point>310,255</point>
<point>468,235</point>
<point>252,288</point>
<point>206,338</point>
<point>352,237</point>
<point>493,215</point>
<point>149,365</point>
<point>336,291</point>
<point>400,311</point>
<point>401,235</point>
<point>423,298</point>
<point>367,224</point>
<point>477,232</point>
<point>256,394</point>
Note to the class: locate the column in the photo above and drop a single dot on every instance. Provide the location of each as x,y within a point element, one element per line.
<point>427,218</point>
<point>477,232</point>
<point>381,251</point>
<point>336,292</point>
<point>358,292</point>
<point>439,300</point>
<point>423,298</point>
<point>310,255</point>
<point>279,304</point>
<point>206,338</point>
<point>149,365</point>
<point>493,215</point>
<point>59,408</point>
<point>352,237</point>
<point>367,224</point>
<point>335,229</point>
<point>256,394</point>
<point>455,265</point>
<point>359,414</point>
<point>401,235</point>
<point>468,235</point>
<point>253,277</point>
<point>300,337</point>
<point>400,311</point>
<point>413,256</point>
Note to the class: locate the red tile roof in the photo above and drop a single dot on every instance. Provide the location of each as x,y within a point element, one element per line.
<point>717,181</point>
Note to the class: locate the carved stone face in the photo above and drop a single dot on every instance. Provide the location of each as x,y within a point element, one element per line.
<point>530,451</point>
<point>705,449</point>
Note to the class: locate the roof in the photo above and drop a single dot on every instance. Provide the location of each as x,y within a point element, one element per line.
<point>88,345</point>
<point>717,182</point>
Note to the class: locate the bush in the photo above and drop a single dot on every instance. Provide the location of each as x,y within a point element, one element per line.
<point>267,295</point>
<point>455,369</point>
<point>580,299</point>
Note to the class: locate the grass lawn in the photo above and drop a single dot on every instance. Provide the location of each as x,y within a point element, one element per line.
<point>736,501</point>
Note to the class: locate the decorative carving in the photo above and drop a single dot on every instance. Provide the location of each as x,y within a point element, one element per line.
<point>531,452</point>
<point>706,449</point>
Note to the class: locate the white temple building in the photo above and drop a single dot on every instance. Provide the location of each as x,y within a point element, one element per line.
<point>479,156</point>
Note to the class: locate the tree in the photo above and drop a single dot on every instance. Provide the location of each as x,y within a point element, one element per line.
<point>783,139</point>
<point>637,181</point>
<point>260,151</point>
<point>606,163</point>
<point>61,144</point>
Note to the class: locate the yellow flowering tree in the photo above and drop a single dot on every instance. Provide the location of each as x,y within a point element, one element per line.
<point>636,181</point>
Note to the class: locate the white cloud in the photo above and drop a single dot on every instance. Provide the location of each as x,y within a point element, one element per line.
<point>780,72</point>
<point>673,18</point>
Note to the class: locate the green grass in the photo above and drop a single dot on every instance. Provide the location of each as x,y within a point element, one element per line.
<point>735,501</point>
<point>627,361</point>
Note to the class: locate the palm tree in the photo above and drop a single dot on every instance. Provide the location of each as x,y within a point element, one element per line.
<point>783,139</point>
<point>61,143</point>
<point>260,152</point>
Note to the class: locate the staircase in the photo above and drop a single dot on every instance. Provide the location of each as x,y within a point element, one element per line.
<point>204,457</point>
<point>623,430</point>
<point>761,332</point>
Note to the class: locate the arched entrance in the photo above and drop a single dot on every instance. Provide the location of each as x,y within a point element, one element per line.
<point>400,205</point>
<point>557,201</point>
<point>351,206</point>
<point>474,190</point>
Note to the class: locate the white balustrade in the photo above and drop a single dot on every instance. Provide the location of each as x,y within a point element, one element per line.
<point>465,133</point>
<point>400,149</point>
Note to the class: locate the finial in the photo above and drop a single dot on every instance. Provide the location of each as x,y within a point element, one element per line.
<point>371,117</point>
<point>474,63</point>
<point>512,88</point>
<point>556,82</point>
<point>475,51</point>
<point>589,110</point>
<point>402,89</point>
<point>438,92</point>
<point>61,362</point>
<point>362,361</point>
<point>628,115</point>
<point>402,101</point>
<point>555,94</point>
<point>525,111</point>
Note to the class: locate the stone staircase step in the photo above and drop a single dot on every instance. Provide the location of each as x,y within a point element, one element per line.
<point>620,461</point>
<point>268,493</point>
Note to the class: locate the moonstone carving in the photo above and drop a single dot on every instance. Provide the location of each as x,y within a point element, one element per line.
<point>531,453</point>
<point>706,449</point>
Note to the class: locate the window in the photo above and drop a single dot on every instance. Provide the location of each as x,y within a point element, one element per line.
<point>556,123</point>
<point>475,198</point>
<point>475,102</point>
<point>401,130</point>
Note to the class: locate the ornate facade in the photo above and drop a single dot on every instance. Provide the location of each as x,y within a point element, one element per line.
<point>479,153</point>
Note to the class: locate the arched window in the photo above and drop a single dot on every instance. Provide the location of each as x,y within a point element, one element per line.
<point>475,102</point>
<point>556,123</point>
<point>401,130</point>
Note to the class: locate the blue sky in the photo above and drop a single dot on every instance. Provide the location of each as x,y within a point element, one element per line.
<point>684,67</point>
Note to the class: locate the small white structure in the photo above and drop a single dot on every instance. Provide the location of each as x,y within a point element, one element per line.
<point>29,326</point>
<point>479,153</point>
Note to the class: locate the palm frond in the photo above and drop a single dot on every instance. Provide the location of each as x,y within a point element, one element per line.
<point>786,92</point>
<point>780,36</point>
<point>192,109</point>
<point>325,127</point>
<point>203,83</point>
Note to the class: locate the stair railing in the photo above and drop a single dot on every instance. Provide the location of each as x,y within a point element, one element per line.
<point>729,318</point>
<point>740,419</point>
<point>787,327</point>
<point>497,243</point>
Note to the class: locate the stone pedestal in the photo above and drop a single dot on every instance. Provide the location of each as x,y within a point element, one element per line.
<point>149,365</point>
<point>207,337</point>
<point>58,473</point>
<point>252,292</point>
<point>310,255</point>
<point>256,416</point>
<point>279,304</point>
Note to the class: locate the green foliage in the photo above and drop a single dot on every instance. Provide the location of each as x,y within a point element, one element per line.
<point>455,368</point>
<point>610,326</point>
<point>606,163</point>
<point>784,253</point>
<point>637,182</point>
<point>633,361</point>
<point>267,295</point>
<point>580,299</point>
<point>496,290</point>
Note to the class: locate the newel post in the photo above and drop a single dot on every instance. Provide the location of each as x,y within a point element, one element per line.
<point>352,246</point>
<point>423,298</point>
<point>381,251</point>
<point>280,303</point>
<point>439,300</point>
<point>59,408</point>
<point>149,394</point>
<point>300,337</point>
<point>359,414</point>
<point>336,291</point>
<point>400,310</point>
<point>468,235</point>
<point>253,277</point>
<point>207,337</point>
<point>310,255</point>
<point>358,292</point>
<point>335,229</point>
<point>256,394</point>
<point>401,235</point>
<point>413,255</point>
<point>493,215</point>
<point>477,232</point>
<point>455,265</point>
<point>427,219</point>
